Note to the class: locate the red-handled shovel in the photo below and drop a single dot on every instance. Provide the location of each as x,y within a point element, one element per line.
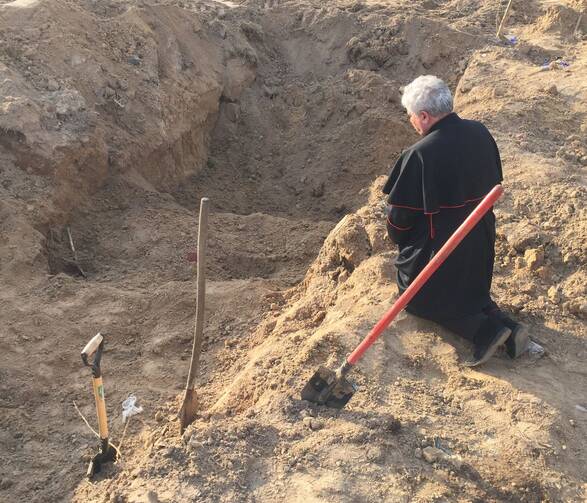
<point>331,388</point>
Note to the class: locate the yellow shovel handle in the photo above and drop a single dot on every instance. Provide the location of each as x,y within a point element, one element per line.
<point>100,407</point>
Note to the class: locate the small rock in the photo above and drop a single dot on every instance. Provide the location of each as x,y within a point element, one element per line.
<point>432,454</point>
<point>465,87</point>
<point>552,90</point>
<point>318,317</point>
<point>375,454</point>
<point>418,453</point>
<point>5,484</point>
<point>534,258</point>
<point>455,461</point>
<point>313,423</point>
<point>122,84</point>
<point>233,111</point>
<point>554,294</point>
<point>218,28</point>
<point>519,263</point>
<point>318,190</point>
<point>159,416</point>
<point>270,92</point>
<point>306,413</point>
<point>252,31</point>
<point>544,272</point>
<point>196,444</point>
<point>149,441</point>
<point>152,497</point>
<point>116,498</point>
<point>134,60</point>
<point>316,424</point>
<point>108,92</point>
<point>52,85</point>
<point>76,60</point>
<point>579,308</point>
<point>520,235</point>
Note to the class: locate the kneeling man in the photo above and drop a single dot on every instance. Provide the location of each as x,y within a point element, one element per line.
<point>432,188</point>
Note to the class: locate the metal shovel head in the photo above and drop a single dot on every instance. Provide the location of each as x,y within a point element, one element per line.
<point>325,388</point>
<point>188,410</point>
<point>104,456</point>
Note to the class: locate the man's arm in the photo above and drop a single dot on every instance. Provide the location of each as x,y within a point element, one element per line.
<point>404,201</point>
<point>400,222</point>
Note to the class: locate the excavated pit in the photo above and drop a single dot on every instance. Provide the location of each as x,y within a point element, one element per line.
<point>314,120</point>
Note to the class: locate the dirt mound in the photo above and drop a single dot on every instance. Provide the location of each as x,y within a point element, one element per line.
<point>564,20</point>
<point>138,89</point>
<point>116,117</point>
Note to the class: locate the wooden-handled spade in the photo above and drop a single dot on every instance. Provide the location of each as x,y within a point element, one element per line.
<point>331,388</point>
<point>189,406</point>
<point>107,451</point>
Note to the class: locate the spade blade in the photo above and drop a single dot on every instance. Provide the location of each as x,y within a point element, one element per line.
<point>189,409</point>
<point>325,388</point>
<point>107,454</point>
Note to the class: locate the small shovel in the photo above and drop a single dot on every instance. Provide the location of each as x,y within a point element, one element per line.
<point>108,452</point>
<point>331,388</point>
<point>189,407</point>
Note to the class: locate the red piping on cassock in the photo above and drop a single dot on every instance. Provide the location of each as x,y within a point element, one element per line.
<point>397,227</point>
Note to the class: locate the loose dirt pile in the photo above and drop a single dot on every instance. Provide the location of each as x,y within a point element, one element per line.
<point>117,116</point>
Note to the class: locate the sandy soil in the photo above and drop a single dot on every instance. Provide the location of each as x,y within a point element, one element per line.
<point>117,116</point>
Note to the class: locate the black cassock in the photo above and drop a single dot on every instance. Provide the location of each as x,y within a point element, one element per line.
<point>432,188</point>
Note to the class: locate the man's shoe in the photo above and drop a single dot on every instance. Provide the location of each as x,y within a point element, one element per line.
<point>517,344</point>
<point>482,353</point>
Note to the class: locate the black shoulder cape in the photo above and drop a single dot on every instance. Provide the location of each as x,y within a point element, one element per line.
<point>433,186</point>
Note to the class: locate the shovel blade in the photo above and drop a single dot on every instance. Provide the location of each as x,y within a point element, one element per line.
<point>325,388</point>
<point>107,454</point>
<point>189,408</point>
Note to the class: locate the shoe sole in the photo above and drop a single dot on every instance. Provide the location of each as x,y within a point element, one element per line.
<point>521,340</point>
<point>503,336</point>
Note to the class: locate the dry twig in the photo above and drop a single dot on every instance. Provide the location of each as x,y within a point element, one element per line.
<point>85,420</point>
<point>75,254</point>
<point>504,19</point>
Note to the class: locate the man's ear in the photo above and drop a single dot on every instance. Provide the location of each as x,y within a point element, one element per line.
<point>424,116</point>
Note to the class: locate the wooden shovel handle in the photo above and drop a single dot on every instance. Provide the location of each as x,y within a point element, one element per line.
<point>201,293</point>
<point>98,386</point>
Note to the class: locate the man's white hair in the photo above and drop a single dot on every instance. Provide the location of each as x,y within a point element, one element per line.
<point>429,94</point>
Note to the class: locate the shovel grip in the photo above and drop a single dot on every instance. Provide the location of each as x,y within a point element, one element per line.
<point>91,347</point>
<point>474,217</point>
